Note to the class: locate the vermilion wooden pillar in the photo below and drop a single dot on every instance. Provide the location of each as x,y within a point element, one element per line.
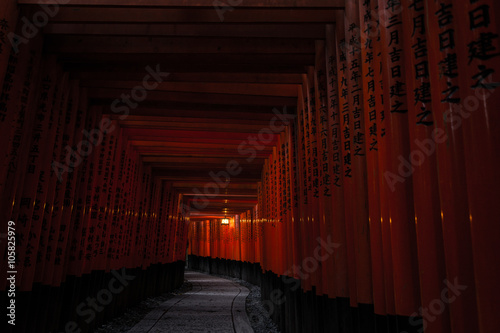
<point>372,106</point>
<point>335,133</point>
<point>423,133</point>
<point>358,139</point>
<point>9,15</point>
<point>346,156</point>
<point>399,195</point>
<point>325,163</point>
<point>476,25</point>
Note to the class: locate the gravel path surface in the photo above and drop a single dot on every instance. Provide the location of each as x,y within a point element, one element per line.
<point>260,321</point>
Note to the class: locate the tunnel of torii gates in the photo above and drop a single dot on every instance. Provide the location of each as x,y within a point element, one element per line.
<point>352,145</point>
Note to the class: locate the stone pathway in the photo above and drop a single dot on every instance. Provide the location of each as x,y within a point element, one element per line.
<point>213,305</point>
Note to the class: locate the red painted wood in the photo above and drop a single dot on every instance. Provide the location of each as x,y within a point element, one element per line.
<point>400,196</point>
<point>372,104</point>
<point>335,133</point>
<point>476,27</point>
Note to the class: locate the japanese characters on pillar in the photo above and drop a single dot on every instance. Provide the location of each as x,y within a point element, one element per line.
<point>9,14</point>
<point>344,86</point>
<point>476,25</point>
<point>324,166</point>
<point>335,135</point>
<point>359,199</point>
<point>372,104</point>
<point>397,182</point>
<point>422,132</point>
<point>51,213</point>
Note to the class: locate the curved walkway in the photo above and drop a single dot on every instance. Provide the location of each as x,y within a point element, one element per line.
<point>213,305</point>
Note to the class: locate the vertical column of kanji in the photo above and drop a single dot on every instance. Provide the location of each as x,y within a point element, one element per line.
<point>89,232</point>
<point>171,225</point>
<point>135,205</point>
<point>286,247</point>
<point>60,205</point>
<point>262,205</point>
<point>9,16</point>
<point>152,220</point>
<point>155,207</point>
<point>258,224</point>
<point>303,188</point>
<point>345,130</point>
<point>38,231</point>
<point>155,230</point>
<point>118,170</point>
<point>144,217</point>
<point>243,236</point>
<point>267,233</point>
<point>163,215</point>
<point>107,202</point>
<point>335,141</point>
<point>446,102</point>
<point>126,260</point>
<point>279,210</point>
<point>282,223</point>
<point>21,103</point>
<point>266,259</point>
<point>141,225</point>
<point>287,204</point>
<point>273,214</point>
<point>80,212</point>
<point>72,171</point>
<point>49,212</point>
<point>325,167</point>
<point>23,211</point>
<point>383,145</point>
<point>161,222</point>
<point>312,176</point>
<point>425,186</point>
<point>359,193</point>
<point>294,196</point>
<point>93,259</point>
<point>400,196</point>
<point>372,100</point>
<point>17,99</point>
<point>167,222</point>
<point>477,27</point>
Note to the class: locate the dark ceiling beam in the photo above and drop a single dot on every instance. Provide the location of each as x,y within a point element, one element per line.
<point>197,3</point>
<point>172,45</point>
<point>244,77</point>
<point>132,120</point>
<point>314,31</point>
<point>173,60</point>
<point>282,90</point>
<point>111,68</point>
<point>103,14</point>
<point>108,95</point>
